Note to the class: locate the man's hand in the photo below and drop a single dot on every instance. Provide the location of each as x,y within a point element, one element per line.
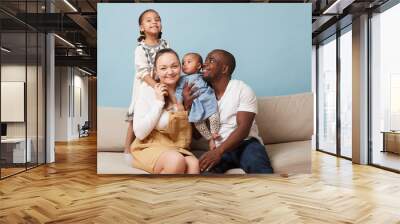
<point>189,94</point>
<point>210,159</point>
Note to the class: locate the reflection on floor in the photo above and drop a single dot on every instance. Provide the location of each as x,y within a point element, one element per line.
<point>10,171</point>
<point>387,159</point>
<point>10,168</point>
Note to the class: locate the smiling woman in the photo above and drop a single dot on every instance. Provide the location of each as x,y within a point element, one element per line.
<point>163,132</point>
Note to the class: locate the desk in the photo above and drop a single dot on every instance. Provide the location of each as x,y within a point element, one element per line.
<point>391,141</point>
<point>16,147</point>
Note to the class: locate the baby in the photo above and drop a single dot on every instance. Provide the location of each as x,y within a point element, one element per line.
<point>205,106</point>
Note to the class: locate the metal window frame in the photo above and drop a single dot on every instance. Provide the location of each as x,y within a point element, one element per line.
<point>339,32</point>
<point>44,73</point>
<point>386,6</point>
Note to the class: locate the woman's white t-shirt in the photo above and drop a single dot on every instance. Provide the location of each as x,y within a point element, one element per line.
<point>237,97</point>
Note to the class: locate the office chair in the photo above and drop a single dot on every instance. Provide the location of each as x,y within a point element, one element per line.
<point>84,130</point>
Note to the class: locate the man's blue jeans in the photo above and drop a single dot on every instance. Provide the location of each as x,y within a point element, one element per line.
<point>250,155</point>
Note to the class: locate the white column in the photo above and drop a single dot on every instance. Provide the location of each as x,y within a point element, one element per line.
<point>50,110</point>
<point>360,90</point>
<point>50,93</point>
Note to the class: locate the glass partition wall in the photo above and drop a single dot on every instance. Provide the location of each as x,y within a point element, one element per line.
<point>327,95</point>
<point>345,61</point>
<point>22,88</point>
<point>334,94</point>
<point>385,89</point>
<point>334,90</point>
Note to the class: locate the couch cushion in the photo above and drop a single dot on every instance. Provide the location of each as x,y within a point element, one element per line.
<point>115,163</point>
<point>286,158</point>
<point>290,158</point>
<point>111,128</point>
<point>279,119</point>
<point>285,118</point>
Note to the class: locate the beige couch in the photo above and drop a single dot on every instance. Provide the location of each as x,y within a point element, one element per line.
<point>285,124</point>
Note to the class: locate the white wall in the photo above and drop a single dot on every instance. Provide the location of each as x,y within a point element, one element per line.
<point>80,115</point>
<point>62,81</point>
<point>70,84</point>
<point>17,72</point>
<point>34,125</point>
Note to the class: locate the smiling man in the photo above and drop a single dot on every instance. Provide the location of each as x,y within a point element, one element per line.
<point>239,145</point>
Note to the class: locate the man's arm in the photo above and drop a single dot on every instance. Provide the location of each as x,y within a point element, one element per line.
<point>244,122</point>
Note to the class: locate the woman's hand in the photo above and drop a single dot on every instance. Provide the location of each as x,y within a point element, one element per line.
<point>161,91</point>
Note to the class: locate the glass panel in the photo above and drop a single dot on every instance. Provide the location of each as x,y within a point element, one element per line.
<point>13,90</point>
<point>346,94</point>
<point>327,96</point>
<point>395,102</point>
<point>23,84</point>
<point>41,98</point>
<point>31,100</point>
<point>386,89</point>
<point>9,24</point>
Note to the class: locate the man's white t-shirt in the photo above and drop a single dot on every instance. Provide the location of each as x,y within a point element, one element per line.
<point>237,97</point>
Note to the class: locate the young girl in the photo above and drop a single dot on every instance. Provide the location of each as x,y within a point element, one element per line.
<point>205,106</point>
<point>149,43</point>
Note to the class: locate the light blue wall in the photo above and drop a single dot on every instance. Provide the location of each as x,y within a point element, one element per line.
<point>271,43</point>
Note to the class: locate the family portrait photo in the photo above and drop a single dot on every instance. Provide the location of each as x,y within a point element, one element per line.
<point>204,89</point>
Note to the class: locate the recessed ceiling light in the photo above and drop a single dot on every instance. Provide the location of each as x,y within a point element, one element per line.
<point>65,41</point>
<point>84,71</point>
<point>338,6</point>
<point>5,50</point>
<point>70,5</point>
